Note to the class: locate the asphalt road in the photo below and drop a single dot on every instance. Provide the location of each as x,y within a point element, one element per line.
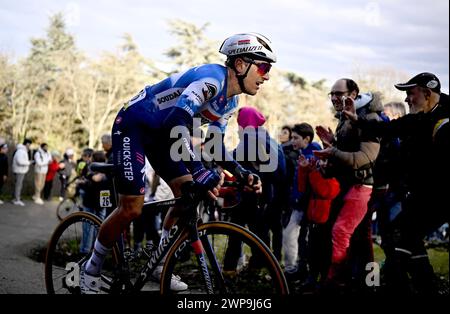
<point>22,230</point>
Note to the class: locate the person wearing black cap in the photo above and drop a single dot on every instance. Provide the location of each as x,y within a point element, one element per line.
<point>424,135</point>
<point>422,92</point>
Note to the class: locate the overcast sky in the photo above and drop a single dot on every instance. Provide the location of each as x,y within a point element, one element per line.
<point>317,39</point>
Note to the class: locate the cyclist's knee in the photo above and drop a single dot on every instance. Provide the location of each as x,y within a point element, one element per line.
<point>131,206</point>
<point>175,184</point>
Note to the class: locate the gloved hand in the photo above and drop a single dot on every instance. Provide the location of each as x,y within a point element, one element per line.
<point>242,176</point>
<point>208,178</point>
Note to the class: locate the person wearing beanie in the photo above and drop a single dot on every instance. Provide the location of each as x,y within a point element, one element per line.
<point>260,153</point>
<point>249,116</point>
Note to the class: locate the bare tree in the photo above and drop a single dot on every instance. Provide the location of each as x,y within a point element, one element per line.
<point>193,47</point>
<point>99,88</point>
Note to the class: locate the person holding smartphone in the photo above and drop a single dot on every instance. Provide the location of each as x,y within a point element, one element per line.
<point>351,157</point>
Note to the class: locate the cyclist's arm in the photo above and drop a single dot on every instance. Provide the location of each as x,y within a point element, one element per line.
<point>225,159</point>
<point>189,103</point>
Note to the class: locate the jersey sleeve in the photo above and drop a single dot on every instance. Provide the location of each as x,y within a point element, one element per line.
<point>222,123</point>
<point>198,93</point>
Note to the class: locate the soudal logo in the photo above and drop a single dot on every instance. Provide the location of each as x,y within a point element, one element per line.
<point>243,42</point>
<point>169,97</point>
<point>244,49</point>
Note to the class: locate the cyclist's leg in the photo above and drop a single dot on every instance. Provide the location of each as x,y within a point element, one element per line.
<point>173,172</point>
<point>174,212</point>
<point>128,153</point>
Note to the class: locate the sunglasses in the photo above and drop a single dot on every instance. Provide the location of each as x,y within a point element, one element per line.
<point>263,67</point>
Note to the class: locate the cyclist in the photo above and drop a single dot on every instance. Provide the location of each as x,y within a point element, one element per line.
<point>142,128</point>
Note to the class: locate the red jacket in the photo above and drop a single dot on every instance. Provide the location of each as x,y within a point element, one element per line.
<point>52,169</point>
<point>323,191</point>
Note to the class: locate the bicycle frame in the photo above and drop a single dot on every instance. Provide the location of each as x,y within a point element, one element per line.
<point>187,222</point>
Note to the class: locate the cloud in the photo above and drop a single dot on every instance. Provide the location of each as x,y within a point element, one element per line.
<point>310,36</point>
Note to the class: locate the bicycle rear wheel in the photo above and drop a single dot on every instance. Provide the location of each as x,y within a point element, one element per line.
<point>70,245</point>
<point>245,264</point>
<point>66,207</point>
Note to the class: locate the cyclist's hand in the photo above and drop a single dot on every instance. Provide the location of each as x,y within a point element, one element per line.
<point>215,191</point>
<point>251,181</point>
<point>254,184</point>
<point>210,179</point>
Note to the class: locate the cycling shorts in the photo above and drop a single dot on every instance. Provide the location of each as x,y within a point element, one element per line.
<point>137,133</point>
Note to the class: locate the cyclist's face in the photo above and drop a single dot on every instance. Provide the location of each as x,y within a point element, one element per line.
<point>256,76</point>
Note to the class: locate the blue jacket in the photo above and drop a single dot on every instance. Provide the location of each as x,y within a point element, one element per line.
<point>295,194</point>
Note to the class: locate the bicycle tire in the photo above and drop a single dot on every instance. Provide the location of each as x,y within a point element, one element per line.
<point>66,207</point>
<point>65,254</point>
<point>266,278</point>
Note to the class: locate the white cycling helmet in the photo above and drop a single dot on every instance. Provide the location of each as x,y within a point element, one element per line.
<point>253,45</point>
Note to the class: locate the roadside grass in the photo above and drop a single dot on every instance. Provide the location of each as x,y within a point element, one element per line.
<point>439,258</point>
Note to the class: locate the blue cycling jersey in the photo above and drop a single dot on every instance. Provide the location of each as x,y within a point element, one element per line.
<point>139,129</point>
<point>201,91</point>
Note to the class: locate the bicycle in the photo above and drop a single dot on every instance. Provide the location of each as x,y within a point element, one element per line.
<point>69,204</point>
<point>194,250</point>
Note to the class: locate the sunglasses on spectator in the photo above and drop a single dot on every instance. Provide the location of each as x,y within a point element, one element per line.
<point>263,67</point>
<point>337,93</point>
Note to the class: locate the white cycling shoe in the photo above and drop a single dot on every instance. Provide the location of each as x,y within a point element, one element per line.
<point>175,283</point>
<point>89,284</point>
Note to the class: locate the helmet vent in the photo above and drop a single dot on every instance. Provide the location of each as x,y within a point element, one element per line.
<point>262,42</point>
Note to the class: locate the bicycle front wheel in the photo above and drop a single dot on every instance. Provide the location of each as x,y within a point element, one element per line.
<point>66,207</point>
<point>238,263</point>
<point>70,245</point>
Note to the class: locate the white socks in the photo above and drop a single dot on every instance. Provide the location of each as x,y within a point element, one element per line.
<point>95,262</point>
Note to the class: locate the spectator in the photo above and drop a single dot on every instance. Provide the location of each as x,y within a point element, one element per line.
<point>3,166</point>
<point>42,158</point>
<point>107,147</point>
<point>394,110</point>
<point>285,135</point>
<point>53,168</point>
<point>291,156</point>
<point>425,173</point>
<point>302,142</point>
<point>97,197</point>
<point>261,153</point>
<point>66,167</point>
<point>351,157</point>
<point>86,156</point>
<point>20,167</point>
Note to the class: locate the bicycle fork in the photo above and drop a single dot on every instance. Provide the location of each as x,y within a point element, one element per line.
<point>200,248</point>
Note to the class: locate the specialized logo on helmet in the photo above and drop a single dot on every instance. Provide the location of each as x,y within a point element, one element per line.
<point>244,50</point>
<point>432,84</point>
